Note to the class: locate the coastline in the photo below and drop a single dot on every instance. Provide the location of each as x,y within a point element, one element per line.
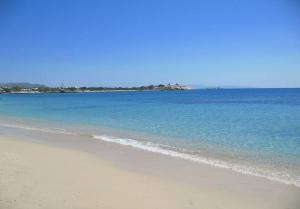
<point>24,88</point>
<point>94,91</point>
<point>230,189</point>
<point>144,143</point>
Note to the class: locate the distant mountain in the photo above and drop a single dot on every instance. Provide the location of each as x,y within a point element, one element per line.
<point>195,86</point>
<point>236,87</point>
<point>22,85</point>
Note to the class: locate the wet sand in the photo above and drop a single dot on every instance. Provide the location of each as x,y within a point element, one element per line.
<point>47,170</point>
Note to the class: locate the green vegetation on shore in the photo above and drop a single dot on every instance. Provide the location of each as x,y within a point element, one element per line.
<point>36,88</point>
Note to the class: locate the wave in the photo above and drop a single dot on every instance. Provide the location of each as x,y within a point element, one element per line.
<point>47,130</point>
<point>282,177</point>
<point>278,176</point>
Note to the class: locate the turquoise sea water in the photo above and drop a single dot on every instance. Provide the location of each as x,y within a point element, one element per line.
<point>254,131</point>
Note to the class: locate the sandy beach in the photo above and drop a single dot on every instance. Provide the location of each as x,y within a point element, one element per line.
<point>150,104</point>
<point>39,175</point>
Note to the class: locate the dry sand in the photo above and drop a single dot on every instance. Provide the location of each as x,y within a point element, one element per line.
<point>37,176</point>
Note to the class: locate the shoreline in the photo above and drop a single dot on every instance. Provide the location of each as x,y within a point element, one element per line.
<point>128,139</point>
<point>261,193</point>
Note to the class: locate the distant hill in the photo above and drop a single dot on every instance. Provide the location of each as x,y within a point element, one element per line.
<point>195,86</point>
<point>22,85</point>
<point>38,88</point>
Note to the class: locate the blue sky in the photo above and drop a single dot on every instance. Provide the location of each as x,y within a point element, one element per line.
<point>132,43</point>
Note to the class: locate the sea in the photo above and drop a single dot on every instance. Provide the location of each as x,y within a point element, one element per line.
<point>250,131</point>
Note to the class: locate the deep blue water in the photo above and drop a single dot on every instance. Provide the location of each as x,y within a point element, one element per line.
<point>258,123</point>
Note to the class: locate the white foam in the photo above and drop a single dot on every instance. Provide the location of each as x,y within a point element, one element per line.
<point>152,147</point>
<point>47,130</point>
<point>282,177</point>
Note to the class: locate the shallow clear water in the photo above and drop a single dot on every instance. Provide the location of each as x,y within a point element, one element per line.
<point>256,128</point>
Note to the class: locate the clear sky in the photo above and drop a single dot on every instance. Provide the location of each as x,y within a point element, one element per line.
<point>130,43</point>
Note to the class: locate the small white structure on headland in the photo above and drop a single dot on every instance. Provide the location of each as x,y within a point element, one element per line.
<point>177,87</point>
